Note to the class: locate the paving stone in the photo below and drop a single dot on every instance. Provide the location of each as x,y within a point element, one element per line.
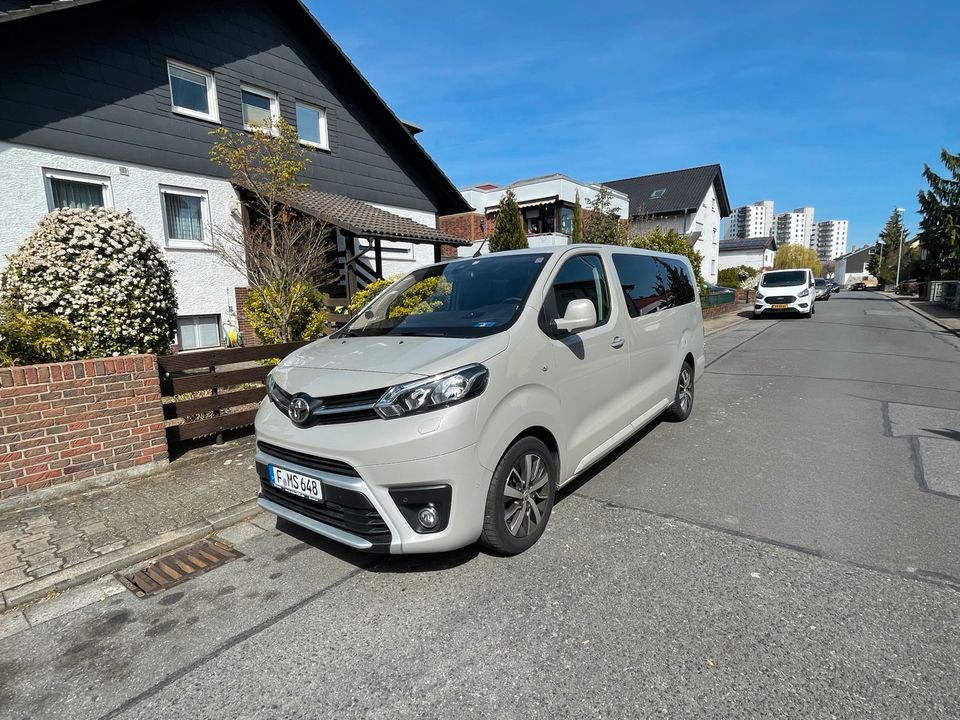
<point>109,547</point>
<point>33,546</point>
<point>12,578</point>
<point>76,555</point>
<point>45,570</point>
<point>9,562</point>
<point>41,558</point>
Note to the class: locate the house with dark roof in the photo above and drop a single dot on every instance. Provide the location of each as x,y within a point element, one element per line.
<point>755,252</point>
<point>111,103</point>
<point>691,201</point>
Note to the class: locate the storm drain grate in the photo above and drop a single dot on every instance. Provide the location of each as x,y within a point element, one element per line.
<point>178,567</point>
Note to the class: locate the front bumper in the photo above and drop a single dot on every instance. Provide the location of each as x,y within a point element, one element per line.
<point>358,509</point>
<point>771,305</point>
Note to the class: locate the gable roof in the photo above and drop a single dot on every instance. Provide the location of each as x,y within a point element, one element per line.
<point>449,199</point>
<point>751,243</point>
<point>683,191</point>
<point>363,219</point>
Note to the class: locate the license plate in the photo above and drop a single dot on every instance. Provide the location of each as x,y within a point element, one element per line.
<point>781,306</point>
<point>296,483</point>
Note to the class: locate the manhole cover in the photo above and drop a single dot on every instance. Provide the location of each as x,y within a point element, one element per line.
<point>178,567</point>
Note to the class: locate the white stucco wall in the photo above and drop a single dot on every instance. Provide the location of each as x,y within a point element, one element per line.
<point>756,259</point>
<point>204,285</point>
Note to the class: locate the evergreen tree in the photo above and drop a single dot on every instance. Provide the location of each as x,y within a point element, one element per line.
<point>508,232</point>
<point>940,222</point>
<point>603,225</point>
<point>888,241</point>
<point>577,234</point>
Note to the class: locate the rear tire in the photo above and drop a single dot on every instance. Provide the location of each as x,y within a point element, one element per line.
<point>520,498</point>
<point>683,398</point>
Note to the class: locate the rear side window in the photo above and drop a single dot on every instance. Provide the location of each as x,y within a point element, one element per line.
<point>582,277</point>
<point>651,283</point>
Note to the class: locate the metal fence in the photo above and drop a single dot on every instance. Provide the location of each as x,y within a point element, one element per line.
<point>720,298</point>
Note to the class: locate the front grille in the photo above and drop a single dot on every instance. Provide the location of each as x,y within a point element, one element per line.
<point>345,509</point>
<point>355,407</point>
<point>779,299</point>
<point>310,461</point>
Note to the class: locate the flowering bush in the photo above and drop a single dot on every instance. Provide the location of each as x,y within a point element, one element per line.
<point>266,310</point>
<point>100,271</point>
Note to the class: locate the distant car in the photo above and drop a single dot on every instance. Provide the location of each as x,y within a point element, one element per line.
<point>823,290</point>
<point>907,287</point>
<point>835,287</point>
<point>715,289</point>
<point>858,286</point>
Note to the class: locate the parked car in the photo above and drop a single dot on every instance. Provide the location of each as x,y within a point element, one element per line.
<point>454,405</point>
<point>858,286</point>
<point>835,287</point>
<point>717,289</point>
<point>822,289</point>
<point>785,291</point>
<point>907,287</point>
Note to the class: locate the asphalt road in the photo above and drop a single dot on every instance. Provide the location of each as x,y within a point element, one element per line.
<point>792,550</point>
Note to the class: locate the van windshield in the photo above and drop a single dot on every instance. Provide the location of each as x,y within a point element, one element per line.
<point>784,279</point>
<point>468,298</point>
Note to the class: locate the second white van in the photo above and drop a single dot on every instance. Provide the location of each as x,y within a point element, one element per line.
<point>453,406</point>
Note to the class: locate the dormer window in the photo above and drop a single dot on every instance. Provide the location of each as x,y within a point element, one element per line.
<point>657,194</point>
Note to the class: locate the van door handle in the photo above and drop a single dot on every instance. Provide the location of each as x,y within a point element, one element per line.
<point>617,342</point>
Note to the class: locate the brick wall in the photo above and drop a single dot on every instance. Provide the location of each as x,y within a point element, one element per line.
<point>465,225</point>
<point>76,420</point>
<point>744,297</point>
<point>246,330</point>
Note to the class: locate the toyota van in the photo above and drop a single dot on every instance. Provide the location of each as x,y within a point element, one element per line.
<point>453,406</point>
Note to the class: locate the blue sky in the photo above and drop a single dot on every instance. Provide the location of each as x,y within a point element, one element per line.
<point>830,104</point>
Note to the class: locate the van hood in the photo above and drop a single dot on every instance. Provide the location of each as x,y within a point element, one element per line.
<point>395,356</point>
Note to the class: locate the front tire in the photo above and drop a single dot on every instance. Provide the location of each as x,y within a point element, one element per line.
<point>520,498</point>
<point>683,398</point>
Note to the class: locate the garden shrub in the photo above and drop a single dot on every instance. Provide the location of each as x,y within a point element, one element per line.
<point>425,296</point>
<point>33,338</point>
<point>99,271</point>
<point>672,242</point>
<point>307,321</point>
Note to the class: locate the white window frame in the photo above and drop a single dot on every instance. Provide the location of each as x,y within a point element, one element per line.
<point>324,143</point>
<point>204,214</point>
<point>52,174</point>
<point>274,107</point>
<point>200,347</point>
<point>214,114</point>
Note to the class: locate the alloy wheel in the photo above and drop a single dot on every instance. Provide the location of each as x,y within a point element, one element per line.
<point>525,495</point>
<point>685,390</point>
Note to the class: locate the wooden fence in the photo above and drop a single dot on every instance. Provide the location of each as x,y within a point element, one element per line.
<point>207,392</point>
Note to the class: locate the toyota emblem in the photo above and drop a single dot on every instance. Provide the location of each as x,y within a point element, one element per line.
<point>299,410</point>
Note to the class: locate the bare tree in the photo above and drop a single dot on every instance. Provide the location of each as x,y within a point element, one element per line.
<point>284,254</point>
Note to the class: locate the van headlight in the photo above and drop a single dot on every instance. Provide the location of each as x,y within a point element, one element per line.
<point>804,293</point>
<point>435,392</point>
<point>759,295</point>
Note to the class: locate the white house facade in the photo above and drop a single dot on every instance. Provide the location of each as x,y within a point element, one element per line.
<point>757,252</point>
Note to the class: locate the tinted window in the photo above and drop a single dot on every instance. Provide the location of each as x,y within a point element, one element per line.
<point>582,277</point>
<point>652,283</point>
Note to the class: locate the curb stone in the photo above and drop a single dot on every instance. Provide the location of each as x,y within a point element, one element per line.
<point>124,557</point>
<point>921,313</point>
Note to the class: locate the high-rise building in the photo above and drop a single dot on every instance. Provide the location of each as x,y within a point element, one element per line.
<point>831,239</point>
<point>791,229</point>
<point>810,225</point>
<point>754,220</point>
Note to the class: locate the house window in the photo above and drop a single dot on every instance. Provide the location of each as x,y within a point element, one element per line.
<point>312,126</point>
<point>76,190</point>
<point>186,218</point>
<point>566,220</point>
<point>193,91</point>
<point>198,331</point>
<point>657,194</point>
<point>260,109</point>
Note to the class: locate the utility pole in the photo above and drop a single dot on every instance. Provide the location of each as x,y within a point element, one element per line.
<point>903,234</point>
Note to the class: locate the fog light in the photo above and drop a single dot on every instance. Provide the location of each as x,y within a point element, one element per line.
<point>428,517</point>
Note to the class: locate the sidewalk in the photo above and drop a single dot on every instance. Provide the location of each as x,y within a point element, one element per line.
<point>934,312</point>
<point>54,543</point>
<point>722,322</point>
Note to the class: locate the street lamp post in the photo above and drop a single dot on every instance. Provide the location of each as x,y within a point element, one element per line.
<point>903,233</point>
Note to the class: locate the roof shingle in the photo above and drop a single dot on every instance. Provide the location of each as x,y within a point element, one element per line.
<point>751,243</point>
<point>683,191</point>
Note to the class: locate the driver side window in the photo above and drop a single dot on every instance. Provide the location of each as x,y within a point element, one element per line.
<point>581,277</point>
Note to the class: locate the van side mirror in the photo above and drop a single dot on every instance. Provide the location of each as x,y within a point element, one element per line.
<point>580,315</point>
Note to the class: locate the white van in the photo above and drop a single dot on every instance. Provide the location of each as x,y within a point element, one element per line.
<point>786,291</point>
<point>453,406</point>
